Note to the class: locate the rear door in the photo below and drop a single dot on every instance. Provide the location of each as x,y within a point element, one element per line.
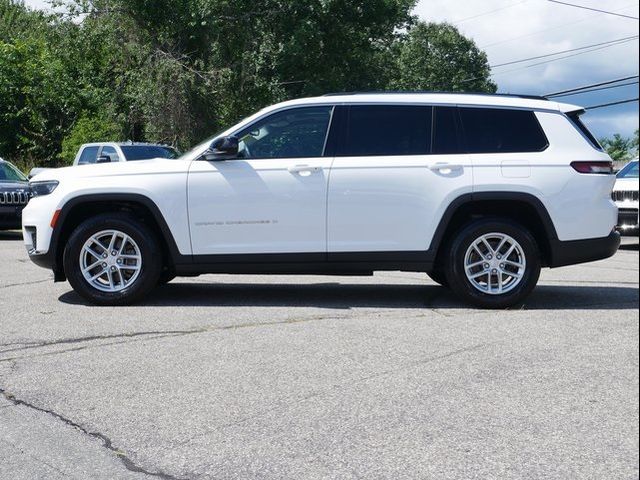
<point>393,176</point>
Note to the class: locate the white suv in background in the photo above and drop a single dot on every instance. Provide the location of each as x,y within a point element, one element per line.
<point>108,152</point>
<point>626,195</point>
<point>478,191</point>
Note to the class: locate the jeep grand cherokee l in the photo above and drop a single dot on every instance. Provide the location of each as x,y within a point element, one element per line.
<point>14,195</point>
<point>478,191</point>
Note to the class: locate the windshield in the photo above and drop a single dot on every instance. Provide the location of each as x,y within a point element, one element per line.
<point>629,171</point>
<point>145,152</point>
<point>10,173</point>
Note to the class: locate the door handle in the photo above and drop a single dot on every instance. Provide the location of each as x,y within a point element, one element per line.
<point>445,166</point>
<point>304,169</point>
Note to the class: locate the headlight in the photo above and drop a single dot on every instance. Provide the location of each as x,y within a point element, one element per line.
<point>38,189</point>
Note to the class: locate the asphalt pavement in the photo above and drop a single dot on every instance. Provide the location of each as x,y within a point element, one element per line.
<point>303,377</point>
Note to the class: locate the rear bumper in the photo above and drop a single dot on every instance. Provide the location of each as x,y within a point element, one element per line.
<point>582,251</point>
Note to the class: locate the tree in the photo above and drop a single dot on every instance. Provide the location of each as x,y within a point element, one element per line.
<point>175,71</point>
<point>436,56</point>
<point>618,147</point>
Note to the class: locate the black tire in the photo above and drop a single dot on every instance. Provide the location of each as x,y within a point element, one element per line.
<point>455,263</point>
<point>166,276</point>
<point>439,276</point>
<point>150,252</point>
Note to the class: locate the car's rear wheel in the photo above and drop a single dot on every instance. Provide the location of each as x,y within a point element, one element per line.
<point>493,263</point>
<point>112,259</point>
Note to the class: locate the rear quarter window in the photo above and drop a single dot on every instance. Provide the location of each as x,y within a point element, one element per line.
<point>499,130</point>
<point>577,122</point>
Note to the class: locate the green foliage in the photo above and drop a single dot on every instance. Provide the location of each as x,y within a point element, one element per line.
<point>436,56</point>
<point>620,148</point>
<point>175,71</point>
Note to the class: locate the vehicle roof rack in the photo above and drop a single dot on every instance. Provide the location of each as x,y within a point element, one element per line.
<point>409,92</point>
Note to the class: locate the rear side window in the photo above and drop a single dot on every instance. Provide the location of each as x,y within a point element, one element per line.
<point>575,119</point>
<point>387,130</point>
<point>497,130</point>
<point>88,155</point>
<point>111,153</point>
<point>446,134</point>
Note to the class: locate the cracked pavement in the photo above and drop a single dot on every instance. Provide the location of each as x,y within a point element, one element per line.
<point>256,377</point>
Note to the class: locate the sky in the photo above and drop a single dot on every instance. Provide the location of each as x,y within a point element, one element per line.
<point>509,30</point>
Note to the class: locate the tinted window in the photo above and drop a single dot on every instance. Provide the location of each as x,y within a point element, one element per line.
<point>575,119</point>
<point>88,155</point>
<point>111,153</point>
<point>146,152</point>
<point>295,133</point>
<point>387,130</point>
<point>446,138</point>
<point>494,130</point>
<point>10,173</point>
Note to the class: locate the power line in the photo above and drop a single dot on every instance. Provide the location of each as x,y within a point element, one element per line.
<point>456,22</point>
<point>597,89</point>
<point>554,59</point>
<point>563,25</point>
<point>619,40</point>
<point>608,82</point>
<point>594,9</point>
<point>467,80</point>
<point>630,100</point>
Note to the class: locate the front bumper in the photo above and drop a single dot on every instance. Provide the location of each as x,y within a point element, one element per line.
<point>628,221</point>
<point>583,251</point>
<point>10,217</point>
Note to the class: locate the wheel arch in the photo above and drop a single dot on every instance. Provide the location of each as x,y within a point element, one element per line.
<point>523,208</point>
<point>79,209</point>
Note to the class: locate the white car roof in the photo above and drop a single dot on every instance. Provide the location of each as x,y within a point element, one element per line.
<point>491,100</point>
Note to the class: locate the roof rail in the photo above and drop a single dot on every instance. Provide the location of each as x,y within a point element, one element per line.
<point>397,92</point>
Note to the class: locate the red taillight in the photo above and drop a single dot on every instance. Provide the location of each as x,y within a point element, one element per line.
<point>605,168</point>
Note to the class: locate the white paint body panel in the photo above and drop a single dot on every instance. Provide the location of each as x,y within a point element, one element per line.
<point>258,206</point>
<point>164,182</point>
<point>391,203</point>
<point>579,205</point>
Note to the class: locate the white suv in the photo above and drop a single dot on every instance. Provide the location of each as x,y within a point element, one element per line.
<point>478,191</point>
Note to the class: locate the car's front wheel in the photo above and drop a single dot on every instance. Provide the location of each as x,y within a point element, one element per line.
<point>493,263</point>
<point>112,259</point>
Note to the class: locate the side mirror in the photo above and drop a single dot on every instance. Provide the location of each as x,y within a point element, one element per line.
<point>104,159</point>
<point>223,148</point>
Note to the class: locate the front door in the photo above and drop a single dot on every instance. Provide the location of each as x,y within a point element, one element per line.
<point>272,198</point>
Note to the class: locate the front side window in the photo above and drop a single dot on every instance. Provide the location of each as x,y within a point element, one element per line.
<point>88,155</point>
<point>9,173</point>
<point>499,130</point>
<point>387,130</point>
<point>294,133</point>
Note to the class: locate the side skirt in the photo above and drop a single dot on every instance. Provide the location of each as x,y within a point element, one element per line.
<point>347,263</point>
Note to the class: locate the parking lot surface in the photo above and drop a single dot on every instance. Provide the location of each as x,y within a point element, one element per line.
<point>301,377</point>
